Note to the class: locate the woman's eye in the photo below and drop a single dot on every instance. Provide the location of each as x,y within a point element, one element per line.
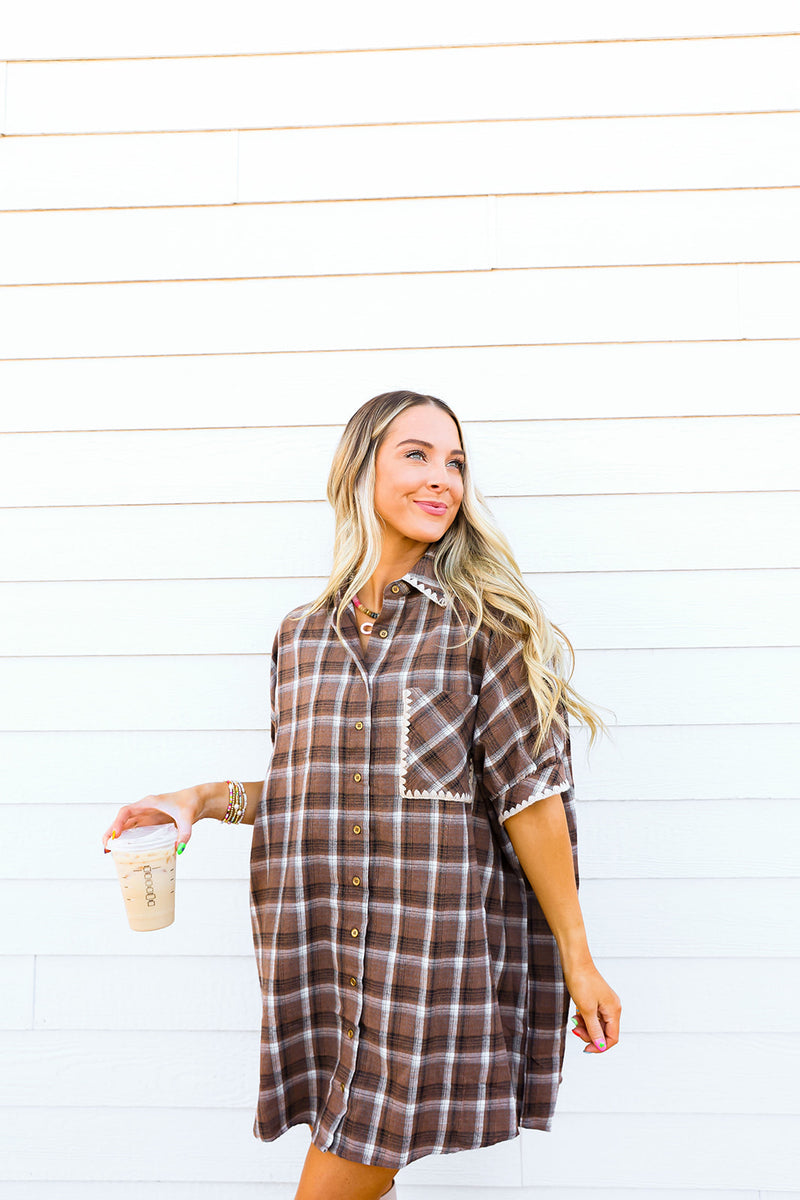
<point>459,462</point>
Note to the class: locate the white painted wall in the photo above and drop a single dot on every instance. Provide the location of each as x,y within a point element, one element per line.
<point>223,228</point>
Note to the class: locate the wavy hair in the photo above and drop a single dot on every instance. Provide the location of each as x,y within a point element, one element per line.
<point>473,562</point>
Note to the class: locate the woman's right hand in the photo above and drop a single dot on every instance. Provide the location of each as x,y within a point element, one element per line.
<point>183,808</point>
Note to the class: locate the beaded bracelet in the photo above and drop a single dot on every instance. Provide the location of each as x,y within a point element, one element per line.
<point>237,803</point>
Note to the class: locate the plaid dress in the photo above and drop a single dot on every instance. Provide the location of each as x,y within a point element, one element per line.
<point>413,996</point>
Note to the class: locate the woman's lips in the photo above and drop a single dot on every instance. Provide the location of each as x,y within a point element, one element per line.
<point>438,510</point>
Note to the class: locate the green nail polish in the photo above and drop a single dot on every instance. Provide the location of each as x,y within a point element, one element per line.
<point>181,848</point>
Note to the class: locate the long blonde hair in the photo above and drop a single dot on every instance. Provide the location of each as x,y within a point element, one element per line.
<point>473,561</point>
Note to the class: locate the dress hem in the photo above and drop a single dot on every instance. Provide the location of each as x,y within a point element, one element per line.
<point>398,1161</point>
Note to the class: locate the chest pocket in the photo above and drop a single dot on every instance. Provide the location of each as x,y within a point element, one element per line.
<point>435,762</point>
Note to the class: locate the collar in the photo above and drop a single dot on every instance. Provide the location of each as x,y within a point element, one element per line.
<point>423,577</point>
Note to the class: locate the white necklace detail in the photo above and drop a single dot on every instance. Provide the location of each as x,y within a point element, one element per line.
<point>367,626</point>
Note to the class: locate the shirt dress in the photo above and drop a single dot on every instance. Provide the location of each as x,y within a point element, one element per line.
<point>413,996</point>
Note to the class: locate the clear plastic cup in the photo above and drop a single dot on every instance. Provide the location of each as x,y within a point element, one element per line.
<point>145,862</point>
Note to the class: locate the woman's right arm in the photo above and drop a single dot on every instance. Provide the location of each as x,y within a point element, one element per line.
<point>184,808</point>
<point>214,800</point>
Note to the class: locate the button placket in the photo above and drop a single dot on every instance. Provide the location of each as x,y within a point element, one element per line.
<point>356,883</point>
<point>354,916</point>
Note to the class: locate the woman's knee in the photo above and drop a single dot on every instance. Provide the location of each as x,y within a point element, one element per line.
<point>326,1176</point>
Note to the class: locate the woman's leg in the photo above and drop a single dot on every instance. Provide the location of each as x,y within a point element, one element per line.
<point>327,1177</point>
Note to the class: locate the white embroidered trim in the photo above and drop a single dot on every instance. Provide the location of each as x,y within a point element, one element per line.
<point>550,791</point>
<point>423,587</point>
<point>416,794</point>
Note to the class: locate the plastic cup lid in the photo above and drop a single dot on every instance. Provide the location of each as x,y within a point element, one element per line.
<point>145,837</point>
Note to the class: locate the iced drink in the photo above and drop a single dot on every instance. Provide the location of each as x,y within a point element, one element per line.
<point>145,862</point>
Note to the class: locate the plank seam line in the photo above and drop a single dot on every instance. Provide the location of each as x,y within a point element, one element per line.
<point>441,272</point>
<point>517,496</point>
<point>403,199</point>
<point>745,112</point>
<point>319,579</point>
<point>136,655</point>
<point>405,349</point>
<point>471,423</point>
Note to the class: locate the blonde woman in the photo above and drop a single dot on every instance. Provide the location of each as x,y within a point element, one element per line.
<point>414,868</point>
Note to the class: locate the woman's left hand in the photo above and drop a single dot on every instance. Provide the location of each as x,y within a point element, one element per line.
<point>598,1006</point>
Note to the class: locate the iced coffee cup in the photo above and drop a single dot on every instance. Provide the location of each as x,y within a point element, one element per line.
<point>145,862</point>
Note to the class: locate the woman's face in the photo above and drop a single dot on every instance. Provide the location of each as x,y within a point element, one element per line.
<point>419,475</point>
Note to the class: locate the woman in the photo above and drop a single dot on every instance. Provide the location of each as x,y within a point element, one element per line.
<point>414,870</point>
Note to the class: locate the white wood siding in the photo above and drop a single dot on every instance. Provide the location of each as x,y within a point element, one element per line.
<point>222,228</point>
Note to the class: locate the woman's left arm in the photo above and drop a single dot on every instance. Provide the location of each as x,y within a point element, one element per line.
<point>541,841</point>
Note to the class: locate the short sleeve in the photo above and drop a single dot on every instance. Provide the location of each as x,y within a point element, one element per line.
<point>506,729</point>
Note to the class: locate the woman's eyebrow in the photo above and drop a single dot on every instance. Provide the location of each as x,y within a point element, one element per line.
<point>427,445</point>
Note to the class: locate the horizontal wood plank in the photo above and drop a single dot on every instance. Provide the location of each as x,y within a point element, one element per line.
<point>126,766</point>
<point>374,162</point>
<point>704,760</point>
<point>100,171</point>
<point>623,1150</point>
<point>215,692</point>
<point>369,236</point>
<point>43,30</point>
<point>601,610</point>
<point>445,309</point>
<point>659,839</point>
<point>209,992</point>
<point>252,240</point>
<point>717,918</point>
<point>522,458</point>
<point>631,1152</point>
<point>488,157</point>
<point>536,383</point>
<point>579,79</point>
<point>646,1073</point>
<point>549,534</point>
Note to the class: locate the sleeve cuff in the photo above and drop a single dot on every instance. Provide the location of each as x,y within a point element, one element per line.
<point>540,791</point>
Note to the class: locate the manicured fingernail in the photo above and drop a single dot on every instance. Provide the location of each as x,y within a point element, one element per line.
<point>181,848</point>
<point>600,1045</point>
<point>113,833</point>
<point>577,1031</point>
<point>574,1020</point>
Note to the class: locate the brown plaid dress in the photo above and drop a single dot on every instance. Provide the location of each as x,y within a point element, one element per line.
<point>413,997</point>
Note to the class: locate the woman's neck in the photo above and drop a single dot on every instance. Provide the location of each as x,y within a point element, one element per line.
<point>395,562</point>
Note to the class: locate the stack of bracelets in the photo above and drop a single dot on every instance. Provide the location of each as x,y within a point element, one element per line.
<point>236,804</point>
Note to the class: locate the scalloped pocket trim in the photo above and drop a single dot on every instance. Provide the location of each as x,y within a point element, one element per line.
<point>415,793</point>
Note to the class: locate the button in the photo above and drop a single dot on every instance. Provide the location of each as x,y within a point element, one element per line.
<point>395,588</point>
<point>359,724</point>
<point>353,981</point>
<point>341,1085</point>
<point>356,881</point>
<point>356,829</point>
<point>357,777</point>
<point>351,1033</point>
<point>384,633</point>
<point>353,933</point>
